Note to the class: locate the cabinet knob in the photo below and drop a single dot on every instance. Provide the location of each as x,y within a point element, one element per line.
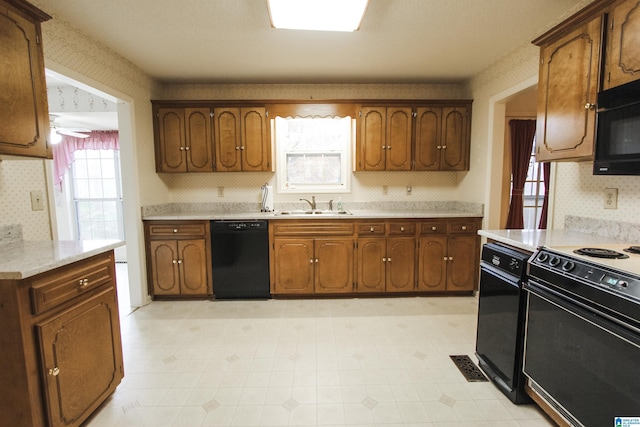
<point>446,258</point>
<point>464,227</point>
<point>444,147</point>
<point>54,371</point>
<point>589,106</point>
<point>237,147</point>
<point>83,282</point>
<point>434,228</point>
<point>316,259</point>
<point>439,147</point>
<point>401,228</point>
<point>175,261</point>
<point>181,148</point>
<point>384,259</point>
<point>175,230</point>
<point>179,261</point>
<point>450,258</point>
<point>389,259</point>
<point>372,229</point>
<point>311,260</point>
<point>242,147</point>
<point>186,148</point>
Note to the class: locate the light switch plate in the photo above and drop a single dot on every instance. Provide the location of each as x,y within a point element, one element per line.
<point>37,203</point>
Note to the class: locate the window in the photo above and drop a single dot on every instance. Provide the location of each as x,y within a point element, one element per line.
<point>97,194</point>
<point>533,196</point>
<point>313,154</point>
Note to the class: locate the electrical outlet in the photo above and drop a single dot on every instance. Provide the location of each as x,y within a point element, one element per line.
<point>611,198</point>
<point>220,191</point>
<point>385,190</point>
<point>409,190</point>
<point>37,203</point>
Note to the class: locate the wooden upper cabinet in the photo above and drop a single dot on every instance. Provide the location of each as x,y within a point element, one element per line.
<point>567,89</point>
<point>385,139</point>
<point>183,140</point>
<point>622,63</point>
<point>442,138</point>
<point>241,137</point>
<point>24,117</point>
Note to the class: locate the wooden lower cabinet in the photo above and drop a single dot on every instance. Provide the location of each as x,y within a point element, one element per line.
<point>390,256</point>
<point>61,345</point>
<point>320,265</point>
<point>386,264</point>
<point>178,258</point>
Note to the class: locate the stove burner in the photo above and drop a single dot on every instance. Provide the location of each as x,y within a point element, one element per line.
<point>632,249</point>
<point>600,253</point>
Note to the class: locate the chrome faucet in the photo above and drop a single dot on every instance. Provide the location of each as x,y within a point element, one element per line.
<point>312,203</point>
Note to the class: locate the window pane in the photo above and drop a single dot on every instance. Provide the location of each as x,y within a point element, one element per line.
<point>313,169</point>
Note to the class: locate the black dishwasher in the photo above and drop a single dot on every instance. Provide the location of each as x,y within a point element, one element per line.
<point>501,312</point>
<point>240,259</point>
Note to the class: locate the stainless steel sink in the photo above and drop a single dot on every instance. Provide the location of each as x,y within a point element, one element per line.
<point>316,212</point>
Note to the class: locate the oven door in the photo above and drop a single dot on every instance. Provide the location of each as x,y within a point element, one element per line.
<point>583,364</point>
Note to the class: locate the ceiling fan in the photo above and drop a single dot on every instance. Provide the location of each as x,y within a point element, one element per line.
<point>58,128</point>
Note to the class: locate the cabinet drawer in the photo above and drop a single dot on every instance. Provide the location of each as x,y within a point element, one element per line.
<point>307,228</point>
<point>178,229</point>
<point>463,227</point>
<point>50,290</point>
<point>373,228</point>
<point>402,228</point>
<point>433,227</point>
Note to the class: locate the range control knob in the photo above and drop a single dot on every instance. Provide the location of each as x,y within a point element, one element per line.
<point>543,257</point>
<point>554,261</point>
<point>568,265</point>
<point>623,283</point>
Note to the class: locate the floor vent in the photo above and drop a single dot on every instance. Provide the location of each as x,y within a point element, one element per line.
<point>469,369</point>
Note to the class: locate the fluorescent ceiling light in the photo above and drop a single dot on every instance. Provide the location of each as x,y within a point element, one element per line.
<point>319,15</point>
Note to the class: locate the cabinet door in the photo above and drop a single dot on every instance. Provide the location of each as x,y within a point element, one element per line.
<point>294,265</point>
<point>81,355</point>
<point>199,140</point>
<point>373,134</point>
<point>227,140</point>
<point>193,267</point>
<point>24,119</point>
<point>333,265</point>
<point>171,140</point>
<point>623,58</point>
<point>165,275</point>
<point>401,257</point>
<point>428,139</point>
<point>255,148</point>
<point>462,264</point>
<point>372,261</point>
<point>455,139</point>
<point>432,264</point>
<point>568,82</point>
<point>398,137</point>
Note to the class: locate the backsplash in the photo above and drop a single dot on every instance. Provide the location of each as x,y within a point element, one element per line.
<point>10,233</point>
<point>629,232</point>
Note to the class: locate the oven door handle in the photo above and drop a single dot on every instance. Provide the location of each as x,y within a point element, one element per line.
<point>501,274</point>
<point>592,315</point>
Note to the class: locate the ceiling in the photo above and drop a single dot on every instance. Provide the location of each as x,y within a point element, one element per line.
<point>231,41</point>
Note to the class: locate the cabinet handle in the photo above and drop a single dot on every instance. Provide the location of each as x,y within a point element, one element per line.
<point>384,259</point>
<point>179,261</point>
<point>316,259</point>
<point>186,148</point>
<point>237,148</point>
<point>54,371</point>
<point>372,229</point>
<point>311,260</point>
<point>444,147</point>
<point>175,261</point>
<point>181,148</point>
<point>464,227</point>
<point>388,259</point>
<point>401,228</point>
<point>439,147</point>
<point>589,106</point>
<point>450,258</point>
<point>434,228</point>
<point>242,147</point>
<point>175,230</point>
<point>83,282</point>
<point>446,258</point>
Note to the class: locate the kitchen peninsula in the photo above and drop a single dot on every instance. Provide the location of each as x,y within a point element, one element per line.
<point>61,340</point>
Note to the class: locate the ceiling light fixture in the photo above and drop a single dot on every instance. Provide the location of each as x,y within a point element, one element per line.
<point>318,15</point>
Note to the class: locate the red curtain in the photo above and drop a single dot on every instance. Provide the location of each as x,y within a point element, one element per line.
<point>546,173</point>
<point>522,135</point>
<point>63,151</point>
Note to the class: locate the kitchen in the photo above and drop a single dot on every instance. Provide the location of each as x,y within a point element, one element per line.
<point>68,51</point>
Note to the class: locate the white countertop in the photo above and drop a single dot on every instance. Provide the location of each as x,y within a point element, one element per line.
<point>19,260</point>
<point>355,214</point>
<point>530,240</point>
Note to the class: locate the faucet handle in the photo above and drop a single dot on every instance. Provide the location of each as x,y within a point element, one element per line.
<point>331,204</point>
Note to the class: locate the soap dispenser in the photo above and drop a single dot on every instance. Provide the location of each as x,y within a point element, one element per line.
<point>340,205</point>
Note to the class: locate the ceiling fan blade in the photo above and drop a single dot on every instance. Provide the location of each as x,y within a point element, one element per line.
<point>72,133</point>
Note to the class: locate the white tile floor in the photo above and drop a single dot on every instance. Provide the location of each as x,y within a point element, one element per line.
<point>327,362</point>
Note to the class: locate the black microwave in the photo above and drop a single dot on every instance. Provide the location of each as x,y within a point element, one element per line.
<point>617,149</point>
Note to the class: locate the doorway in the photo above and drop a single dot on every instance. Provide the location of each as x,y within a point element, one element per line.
<point>87,201</point>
